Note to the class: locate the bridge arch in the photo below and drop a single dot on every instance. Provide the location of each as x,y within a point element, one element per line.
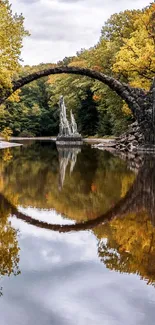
<point>140,102</point>
<point>129,94</point>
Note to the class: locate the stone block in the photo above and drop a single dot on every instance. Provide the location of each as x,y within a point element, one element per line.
<point>131,138</point>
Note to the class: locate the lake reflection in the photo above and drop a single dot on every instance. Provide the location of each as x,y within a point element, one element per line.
<point>67,273</point>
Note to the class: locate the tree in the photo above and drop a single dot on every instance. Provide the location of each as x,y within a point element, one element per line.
<point>136,58</point>
<point>11,35</point>
<point>87,115</point>
<point>119,26</point>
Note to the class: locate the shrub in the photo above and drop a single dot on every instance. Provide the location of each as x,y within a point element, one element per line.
<point>26,134</point>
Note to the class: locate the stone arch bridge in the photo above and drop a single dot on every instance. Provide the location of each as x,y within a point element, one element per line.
<point>141,103</point>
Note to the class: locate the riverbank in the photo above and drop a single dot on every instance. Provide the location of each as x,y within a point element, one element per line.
<point>30,138</point>
<point>86,140</point>
<point>95,142</point>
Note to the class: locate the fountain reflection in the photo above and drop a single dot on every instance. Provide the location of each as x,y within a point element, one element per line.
<point>66,155</point>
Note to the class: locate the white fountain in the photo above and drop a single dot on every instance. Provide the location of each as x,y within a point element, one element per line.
<point>68,132</point>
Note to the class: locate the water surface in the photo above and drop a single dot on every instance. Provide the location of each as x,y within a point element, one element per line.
<point>77,237</point>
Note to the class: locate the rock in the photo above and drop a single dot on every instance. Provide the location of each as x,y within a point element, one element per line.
<point>136,135</point>
<point>131,138</point>
<point>104,144</point>
<point>124,139</point>
<point>122,147</point>
<point>135,143</point>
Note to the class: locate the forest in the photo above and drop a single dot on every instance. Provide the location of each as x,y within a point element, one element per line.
<point>125,50</point>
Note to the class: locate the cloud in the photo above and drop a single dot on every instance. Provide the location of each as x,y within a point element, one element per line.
<point>28,2</point>
<point>70,1</point>
<point>60,28</point>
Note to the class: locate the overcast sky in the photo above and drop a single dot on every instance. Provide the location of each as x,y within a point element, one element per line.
<point>60,28</point>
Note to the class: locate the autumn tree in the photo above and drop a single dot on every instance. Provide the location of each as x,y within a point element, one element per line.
<point>136,58</point>
<point>11,35</point>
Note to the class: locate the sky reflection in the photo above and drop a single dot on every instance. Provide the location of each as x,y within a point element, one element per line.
<point>63,282</point>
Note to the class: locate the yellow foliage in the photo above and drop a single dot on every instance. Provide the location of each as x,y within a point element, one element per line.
<point>11,35</point>
<point>15,96</point>
<point>2,110</point>
<point>78,63</point>
<point>130,245</point>
<point>9,249</point>
<point>7,156</point>
<point>136,58</point>
<point>127,181</point>
<point>126,110</point>
<point>53,78</point>
<point>6,133</point>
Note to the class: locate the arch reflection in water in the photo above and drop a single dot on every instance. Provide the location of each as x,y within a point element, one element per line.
<point>125,233</point>
<point>124,230</point>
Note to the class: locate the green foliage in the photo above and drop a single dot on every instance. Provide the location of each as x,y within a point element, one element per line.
<point>26,134</point>
<point>87,116</point>
<point>32,114</point>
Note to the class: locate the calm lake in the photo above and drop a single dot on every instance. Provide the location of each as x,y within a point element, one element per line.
<point>77,237</point>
